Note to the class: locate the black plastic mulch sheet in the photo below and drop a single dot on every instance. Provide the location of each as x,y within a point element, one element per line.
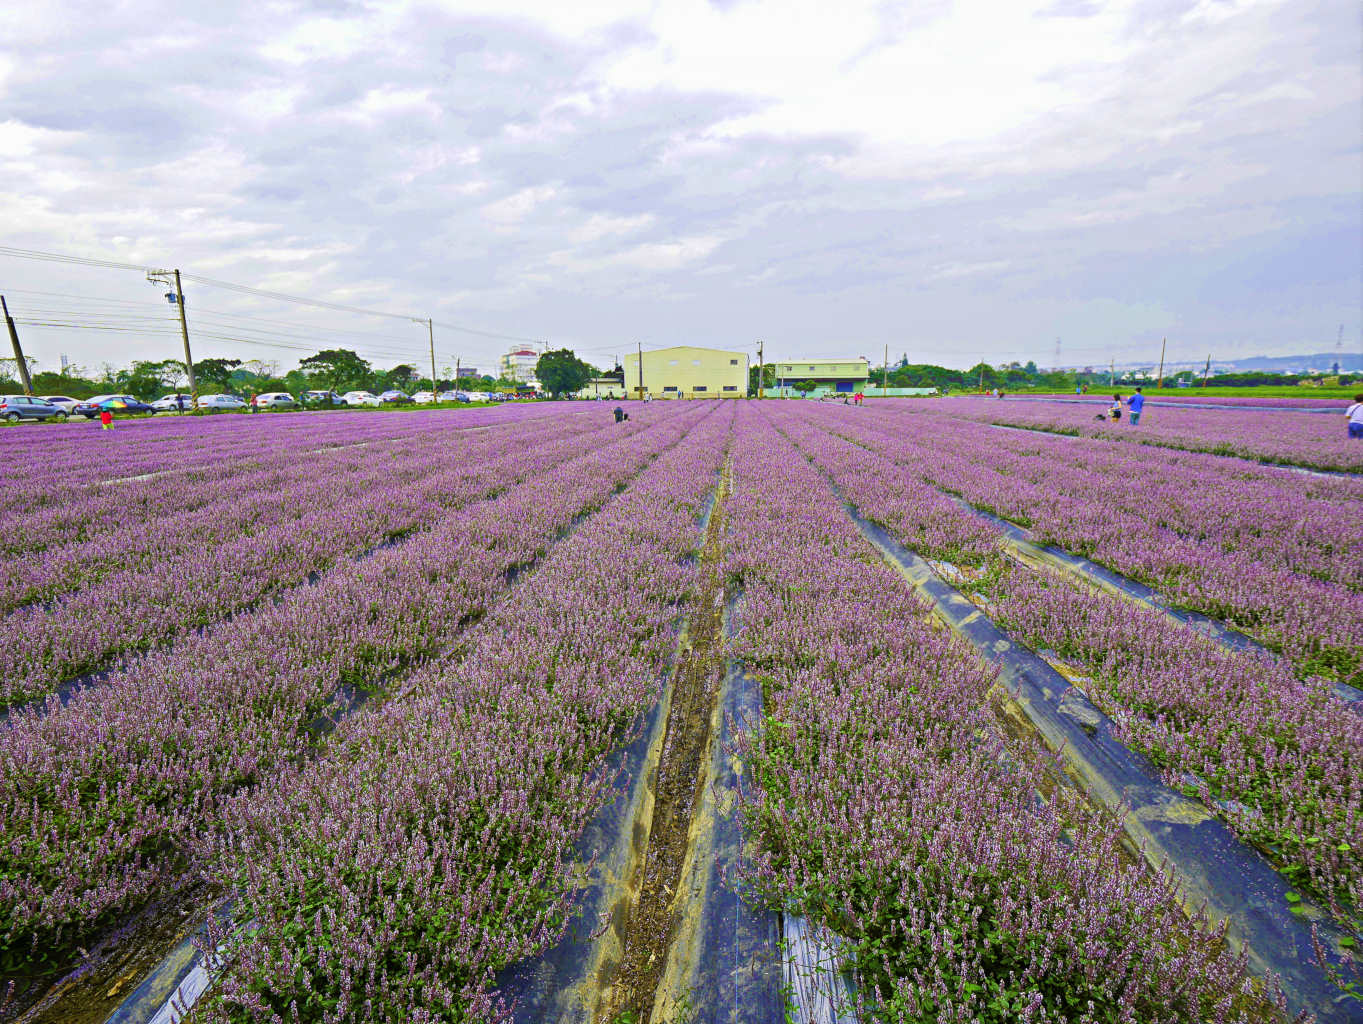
<point>1238,885</point>
<point>724,964</point>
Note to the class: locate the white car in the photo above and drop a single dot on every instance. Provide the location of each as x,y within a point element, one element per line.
<point>359,398</point>
<point>223,402</point>
<point>66,405</point>
<point>171,403</point>
<point>275,400</point>
<point>423,398</point>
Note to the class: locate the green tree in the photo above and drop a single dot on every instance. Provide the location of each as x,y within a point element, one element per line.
<point>71,384</point>
<point>213,376</point>
<point>562,373</point>
<point>805,386</point>
<point>403,377</point>
<point>338,369</point>
<point>149,379</point>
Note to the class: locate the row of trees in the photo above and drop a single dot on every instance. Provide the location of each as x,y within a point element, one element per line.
<point>1020,377</point>
<point>335,369</point>
<point>560,373</point>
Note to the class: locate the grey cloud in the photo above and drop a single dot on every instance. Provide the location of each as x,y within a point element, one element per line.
<point>1093,223</point>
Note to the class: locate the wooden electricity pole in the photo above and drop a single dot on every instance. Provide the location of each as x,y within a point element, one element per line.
<point>430,333</point>
<point>184,334</point>
<point>1160,382</point>
<point>885,370</point>
<point>761,369</point>
<point>18,350</point>
<point>640,393</point>
<point>163,277</point>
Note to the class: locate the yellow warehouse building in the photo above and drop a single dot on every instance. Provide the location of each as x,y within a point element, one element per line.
<point>688,371</point>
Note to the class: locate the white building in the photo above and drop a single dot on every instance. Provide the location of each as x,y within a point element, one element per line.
<point>519,364</point>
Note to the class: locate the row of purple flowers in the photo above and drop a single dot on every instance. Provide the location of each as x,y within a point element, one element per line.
<point>1313,440</point>
<point>165,577</point>
<point>1278,758</point>
<point>432,843</point>
<point>1277,557</point>
<point>892,811</point>
<point>103,800</point>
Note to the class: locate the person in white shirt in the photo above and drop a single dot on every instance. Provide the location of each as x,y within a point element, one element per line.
<point>1355,414</point>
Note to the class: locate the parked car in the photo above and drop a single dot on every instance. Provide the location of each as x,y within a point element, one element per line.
<point>92,407</point>
<point>66,405</point>
<point>447,396</point>
<point>394,397</point>
<point>172,403</point>
<point>357,398</point>
<point>14,408</point>
<point>321,398</point>
<point>275,400</point>
<point>423,398</point>
<point>221,402</point>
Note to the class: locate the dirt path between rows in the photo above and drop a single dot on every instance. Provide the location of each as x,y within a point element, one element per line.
<point>682,770</point>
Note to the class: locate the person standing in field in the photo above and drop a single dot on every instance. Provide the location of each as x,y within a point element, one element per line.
<point>1136,402</point>
<point>1355,414</point>
<point>106,420</point>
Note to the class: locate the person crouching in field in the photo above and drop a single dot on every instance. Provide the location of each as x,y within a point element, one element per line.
<point>1115,412</point>
<point>1355,414</point>
<point>106,420</point>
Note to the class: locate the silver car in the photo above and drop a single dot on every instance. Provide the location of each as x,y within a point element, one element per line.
<point>14,408</point>
<point>274,400</point>
<point>221,402</point>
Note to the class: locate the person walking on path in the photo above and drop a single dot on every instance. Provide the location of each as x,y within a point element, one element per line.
<point>106,420</point>
<point>1136,403</point>
<point>1355,414</point>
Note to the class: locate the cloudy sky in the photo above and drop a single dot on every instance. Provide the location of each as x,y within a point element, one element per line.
<point>955,181</point>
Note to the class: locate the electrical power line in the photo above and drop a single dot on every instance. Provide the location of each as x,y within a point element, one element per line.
<point>35,254</point>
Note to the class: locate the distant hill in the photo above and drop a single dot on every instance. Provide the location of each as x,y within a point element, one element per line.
<point>1349,362</point>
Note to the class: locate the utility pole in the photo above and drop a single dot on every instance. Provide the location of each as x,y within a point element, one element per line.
<point>885,370</point>
<point>1112,373</point>
<point>18,351</point>
<point>761,369</point>
<point>1206,369</point>
<point>1160,382</point>
<point>981,376</point>
<point>430,333</point>
<point>184,334</point>
<point>178,298</point>
<point>640,393</point>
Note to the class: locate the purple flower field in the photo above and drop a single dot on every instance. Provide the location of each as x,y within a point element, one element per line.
<point>1308,439</point>
<point>364,677</point>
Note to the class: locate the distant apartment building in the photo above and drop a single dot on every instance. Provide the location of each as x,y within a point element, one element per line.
<point>519,364</point>
<point>466,372</point>
<point>841,375</point>
<point>687,371</point>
